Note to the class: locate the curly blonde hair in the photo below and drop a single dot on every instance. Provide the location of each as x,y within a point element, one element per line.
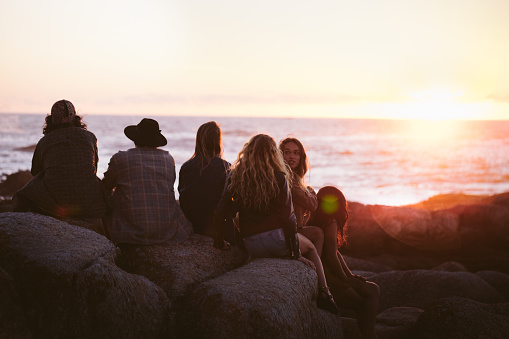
<point>253,179</point>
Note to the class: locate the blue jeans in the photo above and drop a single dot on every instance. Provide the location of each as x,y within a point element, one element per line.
<point>270,244</point>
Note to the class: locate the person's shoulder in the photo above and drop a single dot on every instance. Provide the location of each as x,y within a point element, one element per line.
<point>280,176</point>
<point>189,163</point>
<point>217,161</point>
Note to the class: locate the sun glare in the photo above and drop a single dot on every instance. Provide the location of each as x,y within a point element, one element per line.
<point>435,105</point>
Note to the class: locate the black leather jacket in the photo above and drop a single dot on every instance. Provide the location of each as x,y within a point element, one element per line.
<point>252,221</point>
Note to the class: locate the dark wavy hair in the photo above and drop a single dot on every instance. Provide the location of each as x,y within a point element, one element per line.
<point>303,165</point>
<point>49,126</point>
<point>332,204</point>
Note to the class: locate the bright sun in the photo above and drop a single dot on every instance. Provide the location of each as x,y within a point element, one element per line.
<point>435,105</point>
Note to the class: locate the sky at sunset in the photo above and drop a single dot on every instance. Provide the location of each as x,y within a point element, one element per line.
<point>438,59</point>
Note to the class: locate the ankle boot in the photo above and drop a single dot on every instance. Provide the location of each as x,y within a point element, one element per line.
<point>326,301</point>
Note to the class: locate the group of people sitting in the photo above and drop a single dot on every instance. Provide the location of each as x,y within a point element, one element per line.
<point>260,203</point>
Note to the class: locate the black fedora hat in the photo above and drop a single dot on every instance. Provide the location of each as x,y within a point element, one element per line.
<point>146,133</point>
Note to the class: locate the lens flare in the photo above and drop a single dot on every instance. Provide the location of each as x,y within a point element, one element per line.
<point>329,204</point>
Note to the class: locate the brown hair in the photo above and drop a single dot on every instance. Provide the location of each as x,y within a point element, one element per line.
<point>208,142</point>
<point>49,126</point>
<point>332,204</point>
<point>303,165</point>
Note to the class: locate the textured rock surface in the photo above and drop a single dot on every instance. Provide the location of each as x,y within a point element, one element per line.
<point>69,286</point>
<point>460,318</point>
<point>416,288</point>
<point>250,302</point>
<point>58,280</point>
<point>181,267</point>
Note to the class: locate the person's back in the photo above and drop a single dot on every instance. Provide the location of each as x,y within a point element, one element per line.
<point>64,166</point>
<point>200,189</point>
<point>68,160</point>
<point>141,179</point>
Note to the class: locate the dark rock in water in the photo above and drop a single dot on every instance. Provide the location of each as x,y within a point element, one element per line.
<point>267,298</point>
<point>12,320</point>
<point>460,318</point>
<point>181,267</point>
<point>14,182</point>
<point>483,225</point>
<point>417,287</point>
<point>421,229</point>
<point>30,148</point>
<point>69,286</point>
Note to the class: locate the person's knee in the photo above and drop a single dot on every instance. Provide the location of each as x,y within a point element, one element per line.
<point>372,290</point>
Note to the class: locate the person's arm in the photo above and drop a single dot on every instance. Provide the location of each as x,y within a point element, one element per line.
<point>289,222</point>
<point>355,281</point>
<point>111,175</point>
<point>305,197</point>
<point>37,162</point>
<point>224,209</point>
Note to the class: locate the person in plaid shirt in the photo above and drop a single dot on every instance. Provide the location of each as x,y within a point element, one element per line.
<point>141,181</point>
<point>64,166</point>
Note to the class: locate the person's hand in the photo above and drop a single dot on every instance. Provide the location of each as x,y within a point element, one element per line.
<point>307,262</point>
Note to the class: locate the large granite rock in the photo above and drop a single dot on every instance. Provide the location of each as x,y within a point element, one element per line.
<point>460,318</point>
<point>12,320</point>
<point>69,286</point>
<point>62,281</point>
<point>398,323</point>
<point>430,230</point>
<point>250,303</point>
<point>179,268</point>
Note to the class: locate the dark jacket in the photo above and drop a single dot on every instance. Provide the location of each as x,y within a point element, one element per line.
<point>200,189</point>
<point>64,167</point>
<point>254,221</point>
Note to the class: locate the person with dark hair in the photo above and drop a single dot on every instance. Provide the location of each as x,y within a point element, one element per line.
<point>202,178</point>
<point>350,290</point>
<point>257,188</point>
<point>303,197</point>
<point>64,166</point>
<point>141,181</point>
<point>322,219</point>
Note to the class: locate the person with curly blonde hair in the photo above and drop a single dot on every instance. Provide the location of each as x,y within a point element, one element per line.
<point>258,190</point>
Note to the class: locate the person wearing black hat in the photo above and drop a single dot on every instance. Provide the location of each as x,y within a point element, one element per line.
<point>140,180</point>
<point>64,166</point>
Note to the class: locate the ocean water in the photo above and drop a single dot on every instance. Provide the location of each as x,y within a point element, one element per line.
<point>390,162</point>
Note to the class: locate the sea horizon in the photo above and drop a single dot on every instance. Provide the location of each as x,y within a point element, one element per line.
<point>374,161</point>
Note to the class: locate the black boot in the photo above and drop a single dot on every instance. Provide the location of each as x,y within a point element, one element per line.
<point>326,301</point>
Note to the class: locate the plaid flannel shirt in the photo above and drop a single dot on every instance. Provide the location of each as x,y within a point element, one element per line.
<point>145,211</point>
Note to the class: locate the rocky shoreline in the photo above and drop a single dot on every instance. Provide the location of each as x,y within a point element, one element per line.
<point>442,267</point>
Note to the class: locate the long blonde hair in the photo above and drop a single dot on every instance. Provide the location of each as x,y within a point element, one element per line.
<point>253,180</point>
